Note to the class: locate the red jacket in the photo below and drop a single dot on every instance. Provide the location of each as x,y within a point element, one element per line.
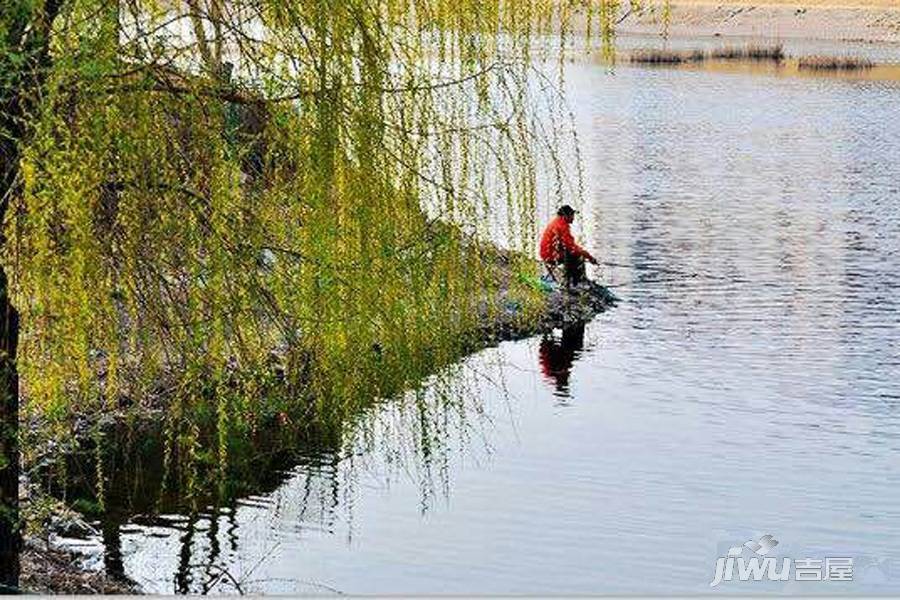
<point>558,237</point>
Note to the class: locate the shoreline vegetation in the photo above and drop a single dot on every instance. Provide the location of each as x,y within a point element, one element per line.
<point>508,315</point>
<point>659,56</point>
<point>758,53</point>
<point>834,63</point>
<point>765,60</point>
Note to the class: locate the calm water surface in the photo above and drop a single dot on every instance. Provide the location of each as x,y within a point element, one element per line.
<point>752,387</point>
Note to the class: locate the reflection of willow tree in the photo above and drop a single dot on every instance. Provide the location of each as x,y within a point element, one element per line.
<point>195,190</point>
<point>306,483</point>
<point>416,439</point>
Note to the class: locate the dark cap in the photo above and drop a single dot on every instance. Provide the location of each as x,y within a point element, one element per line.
<point>565,210</point>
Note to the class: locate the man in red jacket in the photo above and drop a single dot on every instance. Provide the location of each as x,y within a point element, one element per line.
<point>559,247</point>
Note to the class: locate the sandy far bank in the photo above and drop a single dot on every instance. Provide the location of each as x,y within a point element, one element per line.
<point>827,4</point>
<point>875,21</point>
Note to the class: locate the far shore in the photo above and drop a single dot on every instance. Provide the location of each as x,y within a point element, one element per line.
<point>830,4</point>
<point>860,21</point>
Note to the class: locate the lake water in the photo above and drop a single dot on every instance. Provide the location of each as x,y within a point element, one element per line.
<point>748,384</point>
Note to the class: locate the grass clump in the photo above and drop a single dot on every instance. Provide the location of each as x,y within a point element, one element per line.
<point>751,52</point>
<point>653,56</point>
<point>773,53</point>
<point>834,63</point>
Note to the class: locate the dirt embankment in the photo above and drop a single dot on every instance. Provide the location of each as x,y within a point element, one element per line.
<point>870,21</point>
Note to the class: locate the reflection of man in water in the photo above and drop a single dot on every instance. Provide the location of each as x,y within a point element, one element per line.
<point>557,355</point>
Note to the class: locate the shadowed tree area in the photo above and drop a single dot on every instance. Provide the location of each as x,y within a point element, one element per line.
<point>248,213</point>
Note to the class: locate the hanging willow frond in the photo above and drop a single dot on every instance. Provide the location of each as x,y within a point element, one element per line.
<point>213,186</point>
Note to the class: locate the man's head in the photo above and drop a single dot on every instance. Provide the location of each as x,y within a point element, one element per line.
<point>567,212</point>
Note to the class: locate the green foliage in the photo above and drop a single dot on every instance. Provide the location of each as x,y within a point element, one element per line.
<point>273,209</point>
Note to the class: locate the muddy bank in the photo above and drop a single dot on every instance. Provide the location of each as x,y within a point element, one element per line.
<point>562,307</point>
<point>558,305</point>
<point>865,21</point>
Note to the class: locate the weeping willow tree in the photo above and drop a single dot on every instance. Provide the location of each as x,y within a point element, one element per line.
<point>205,201</point>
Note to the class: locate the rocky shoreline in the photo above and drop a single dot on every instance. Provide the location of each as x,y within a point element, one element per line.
<point>46,570</point>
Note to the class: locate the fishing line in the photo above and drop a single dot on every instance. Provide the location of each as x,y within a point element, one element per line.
<point>681,275</point>
<point>634,281</point>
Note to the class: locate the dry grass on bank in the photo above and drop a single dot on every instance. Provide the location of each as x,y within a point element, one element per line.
<point>771,53</point>
<point>666,57</point>
<point>654,56</point>
<point>48,571</point>
<point>752,52</point>
<point>834,63</point>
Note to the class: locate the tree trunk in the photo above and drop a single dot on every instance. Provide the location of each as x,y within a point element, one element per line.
<point>10,532</point>
<point>29,32</point>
